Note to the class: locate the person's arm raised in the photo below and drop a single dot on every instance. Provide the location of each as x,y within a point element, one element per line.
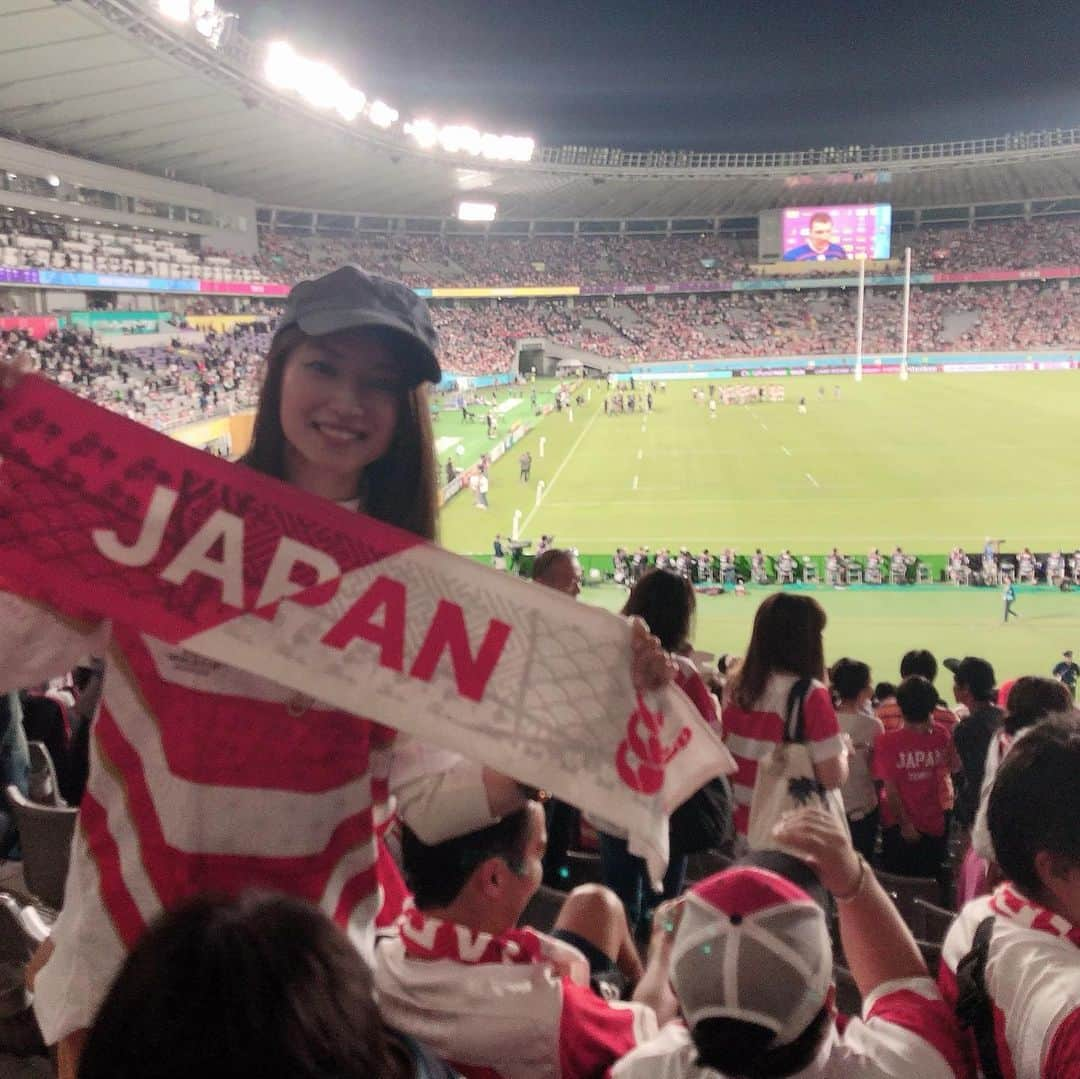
<point>878,946</point>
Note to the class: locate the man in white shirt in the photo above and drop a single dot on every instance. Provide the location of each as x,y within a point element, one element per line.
<point>506,1003</point>
<point>1011,961</point>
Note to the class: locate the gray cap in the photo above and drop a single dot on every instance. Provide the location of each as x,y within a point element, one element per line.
<point>350,298</point>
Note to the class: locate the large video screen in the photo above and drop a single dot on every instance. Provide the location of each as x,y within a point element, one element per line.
<point>824,233</point>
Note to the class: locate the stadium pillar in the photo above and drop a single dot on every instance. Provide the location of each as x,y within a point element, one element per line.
<point>859,318</point>
<point>907,312</point>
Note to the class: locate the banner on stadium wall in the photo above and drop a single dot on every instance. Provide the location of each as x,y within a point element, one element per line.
<point>37,326</point>
<point>103,516</point>
<point>121,321</point>
<point>202,434</point>
<point>221,323</point>
<point>25,275</point>
<point>30,276</point>
<point>499,292</point>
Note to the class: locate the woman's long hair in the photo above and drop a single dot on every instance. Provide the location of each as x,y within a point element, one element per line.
<point>399,488</point>
<point>786,638</point>
<point>665,601</point>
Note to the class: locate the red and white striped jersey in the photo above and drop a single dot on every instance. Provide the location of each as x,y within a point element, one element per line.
<point>1033,979</point>
<point>751,735</point>
<point>205,777</point>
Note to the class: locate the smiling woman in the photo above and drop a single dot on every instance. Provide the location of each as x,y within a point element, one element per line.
<point>343,410</point>
<point>339,408</point>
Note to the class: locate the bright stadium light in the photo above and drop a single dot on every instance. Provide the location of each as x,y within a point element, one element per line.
<point>177,10</point>
<point>425,132</point>
<point>476,211</point>
<point>280,66</point>
<point>462,139</point>
<point>381,114</point>
<point>457,138</point>
<point>314,80</point>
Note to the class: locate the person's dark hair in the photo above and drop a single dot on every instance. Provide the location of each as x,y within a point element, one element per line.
<point>546,559</point>
<point>917,698</point>
<point>665,602</point>
<point>1035,802</point>
<point>919,661</point>
<point>786,638</point>
<point>883,691</point>
<point>738,1048</point>
<point>1031,699</point>
<point>400,488</point>
<point>221,987</point>
<point>849,677</point>
<point>436,874</point>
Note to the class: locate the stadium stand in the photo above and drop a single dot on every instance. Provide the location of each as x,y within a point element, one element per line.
<point>879,937</point>
<point>60,246</point>
<point>435,260</point>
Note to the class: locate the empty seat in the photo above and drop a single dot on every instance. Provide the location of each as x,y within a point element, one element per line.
<point>45,837</point>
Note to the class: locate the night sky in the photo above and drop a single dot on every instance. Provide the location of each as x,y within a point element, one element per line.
<point>707,75</point>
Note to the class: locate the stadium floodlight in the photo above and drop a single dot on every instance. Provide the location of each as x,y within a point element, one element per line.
<point>381,114</point>
<point>280,66</point>
<point>52,180</point>
<point>314,80</point>
<point>177,10</point>
<point>425,132</point>
<point>507,148</point>
<point>459,138</point>
<point>462,139</point>
<point>476,211</point>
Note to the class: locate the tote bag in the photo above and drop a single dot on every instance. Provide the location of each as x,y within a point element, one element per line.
<point>786,780</point>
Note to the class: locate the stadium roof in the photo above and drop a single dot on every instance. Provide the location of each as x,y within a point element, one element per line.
<point>111,81</point>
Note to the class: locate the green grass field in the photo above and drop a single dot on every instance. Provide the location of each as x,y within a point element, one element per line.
<point>929,463</point>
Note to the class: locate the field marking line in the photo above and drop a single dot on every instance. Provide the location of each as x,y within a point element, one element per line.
<point>786,450</point>
<point>558,472</point>
<point>763,427</point>
<point>633,486</point>
<point>812,480</point>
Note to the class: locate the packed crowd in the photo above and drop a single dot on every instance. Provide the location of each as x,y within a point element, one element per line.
<point>942,840</point>
<point>1030,315</point>
<point>426,260</point>
<point>415,936</point>
<point>607,259</point>
<point>163,387</point>
<point>169,386</point>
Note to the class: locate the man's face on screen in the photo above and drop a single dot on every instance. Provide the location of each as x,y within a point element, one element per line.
<point>820,235</point>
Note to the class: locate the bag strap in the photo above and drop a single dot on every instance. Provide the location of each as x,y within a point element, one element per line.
<point>794,729</point>
<point>974,1008</point>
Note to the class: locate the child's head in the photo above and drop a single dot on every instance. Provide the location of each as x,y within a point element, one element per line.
<point>850,679</point>
<point>343,410</point>
<point>917,698</point>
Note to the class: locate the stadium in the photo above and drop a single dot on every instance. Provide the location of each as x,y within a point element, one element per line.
<point>845,373</point>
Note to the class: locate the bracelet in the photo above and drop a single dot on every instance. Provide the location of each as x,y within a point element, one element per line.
<point>851,896</point>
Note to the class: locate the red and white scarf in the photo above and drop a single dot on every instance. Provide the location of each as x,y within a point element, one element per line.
<point>1009,903</point>
<point>103,518</point>
<point>430,938</point>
